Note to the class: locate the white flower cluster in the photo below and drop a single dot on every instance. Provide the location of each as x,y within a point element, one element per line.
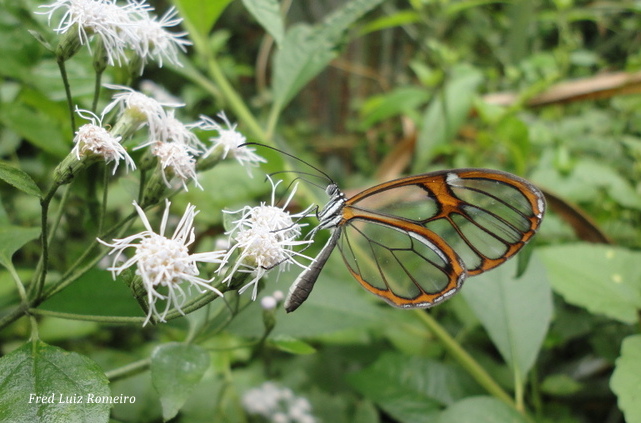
<point>277,404</point>
<point>120,28</point>
<point>174,143</point>
<point>264,238</point>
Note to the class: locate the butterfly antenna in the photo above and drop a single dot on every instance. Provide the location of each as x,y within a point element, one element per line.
<point>291,156</point>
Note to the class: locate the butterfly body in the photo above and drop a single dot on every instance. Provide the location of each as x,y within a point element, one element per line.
<point>413,241</point>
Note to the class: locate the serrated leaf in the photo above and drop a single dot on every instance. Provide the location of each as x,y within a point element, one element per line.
<point>411,389</point>
<point>626,379</point>
<point>306,50</point>
<point>176,369</point>
<point>19,179</point>
<point>481,410</point>
<point>12,238</point>
<point>516,313</point>
<point>600,278</point>
<point>37,371</point>
<point>267,13</point>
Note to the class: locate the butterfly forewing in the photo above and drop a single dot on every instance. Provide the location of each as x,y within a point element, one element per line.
<point>413,240</point>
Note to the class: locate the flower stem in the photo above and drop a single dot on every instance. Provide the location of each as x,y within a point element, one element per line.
<point>35,290</point>
<point>89,318</point>
<point>463,358</point>
<point>235,101</point>
<point>65,80</point>
<point>96,91</point>
<point>129,370</point>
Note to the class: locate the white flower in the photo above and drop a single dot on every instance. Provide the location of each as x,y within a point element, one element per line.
<point>163,262</point>
<point>151,41</point>
<point>141,108</point>
<point>171,129</point>
<point>103,18</point>
<point>178,160</point>
<point>277,404</point>
<point>265,237</point>
<point>229,141</point>
<point>93,140</point>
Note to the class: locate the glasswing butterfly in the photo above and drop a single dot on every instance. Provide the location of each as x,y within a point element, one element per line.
<point>412,241</point>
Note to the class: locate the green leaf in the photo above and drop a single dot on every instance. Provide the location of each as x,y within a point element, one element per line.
<point>306,50</point>
<point>481,410</point>
<point>446,113</point>
<point>560,384</point>
<point>292,345</point>
<point>587,181</point>
<point>411,389</point>
<point>95,293</point>
<point>267,13</point>
<point>626,379</point>
<point>176,369</point>
<point>200,15</point>
<point>19,179</point>
<point>38,380</point>
<point>603,279</point>
<point>516,313</point>
<point>12,238</point>
<point>39,129</point>
<point>402,100</point>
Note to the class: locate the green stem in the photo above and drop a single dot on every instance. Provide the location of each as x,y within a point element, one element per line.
<point>19,285</point>
<point>463,358</point>
<point>105,194</point>
<point>65,81</point>
<point>41,269</point>
<point>129,370</point>
<point>61,209</point>
<point>120,320</point>
<point>235,101</point>
<point>96,91</point>
<point>76,271</point>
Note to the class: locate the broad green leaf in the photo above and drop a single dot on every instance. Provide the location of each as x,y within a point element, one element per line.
<point>306,50</point>
<point>267,13</point>
<point>601,278</point>
<point>19,179</point>
<point>411,389</point>
<point>302,55</point>
<point>626,379</point>
<point>176,369</point>
<point>516,313</point>
<point>12,238</point>
<point>95,293</point>
<point>481,410</point>
<point>200,15</point>
<point>37,372</point>
<point>36,127</point>
<point>446,113</point>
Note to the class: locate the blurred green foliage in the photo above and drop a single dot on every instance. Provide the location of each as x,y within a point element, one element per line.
<point>363,90</point>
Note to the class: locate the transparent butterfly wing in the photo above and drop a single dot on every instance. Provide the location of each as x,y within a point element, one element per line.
<point>413,240</point>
